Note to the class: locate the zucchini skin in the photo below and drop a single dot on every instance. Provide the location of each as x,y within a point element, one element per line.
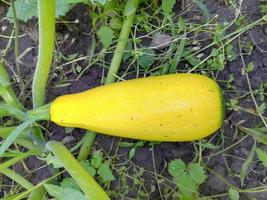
<point>177,107</point>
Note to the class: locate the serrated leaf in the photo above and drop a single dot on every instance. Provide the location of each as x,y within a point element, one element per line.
<point>176,167</point>
<point>62,193</point>
<point>50,159</point>
<point>245,167</point>
<point>197,173</point>
<point>233,194</point>
<point>97,159</point>
<point>105,35</point>
<point>91,170</point>
<point>62,7</point>
<point>147,58</point>
<point>24,10</point>
<point>262,156</point>
<point>69,183</point>
<point>167,6</point>
<point>105,172</point>
<point>185,184</point>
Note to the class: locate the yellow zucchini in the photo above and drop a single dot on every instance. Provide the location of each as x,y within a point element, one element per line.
<point>178,107</point>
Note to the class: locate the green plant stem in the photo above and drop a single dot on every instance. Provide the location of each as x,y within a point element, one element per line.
<point>16,28</point>
<point>86,145</point>
<point>6,110</point>
<point>111,76</point>
<point>120,48</point>
<point>17,178</point>
<point>88,185</point>
<point>46,14</point>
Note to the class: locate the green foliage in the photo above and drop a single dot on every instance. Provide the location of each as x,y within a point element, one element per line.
<point>64,193</point>
<point>130,7</point>
<point>133,146</point>
<point>167,6</point>
<point>233,194</point>
<point>27,9</point>
<point>105,35</point>
<point>187,177</point>
<point>53,160</point>
<point>245,169</point>
<point>105,172</point>
<point>24,9</point>
<point>99,166</point>
<point>263,7</point>
<point>146,58</point>
<point>203,8</point>
<point>262,155</point>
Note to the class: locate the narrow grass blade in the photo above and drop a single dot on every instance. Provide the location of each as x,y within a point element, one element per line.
<point>245,167</point>
<point>15,133</point>
<point>17,178</point>
<point>177,56</point>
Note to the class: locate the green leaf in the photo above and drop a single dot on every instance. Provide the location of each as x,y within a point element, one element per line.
<point>50,159</point>
<point>91,170</point>
<point>101,2</point>
<point>97,159</point>
<point>115,23</point>
<point>77,1</point>
<point>15,133</point>
<point>203,8</point>
<point>176,167</point>
<point>259,135</point>
<point>147,58</point>
<point>262,156</point>
<point>250,67</point>
<point>230,54</point>
<point>105,172</point>
<point>69,183</point>
<point>261,109</point>
<point>245,167</point>
<point>62,7</point>
<point>233,194</point>
<point>167,6</point>
<point>178,55</point>
<point>126,144</point>
<point>24,10</point>
<point>105,35</point>
<point>214,52</point>
<point>130,7</point>
<point>62,193</point>
<point>185,184</point>
<point>197,173</point>
<point>132,153</point>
